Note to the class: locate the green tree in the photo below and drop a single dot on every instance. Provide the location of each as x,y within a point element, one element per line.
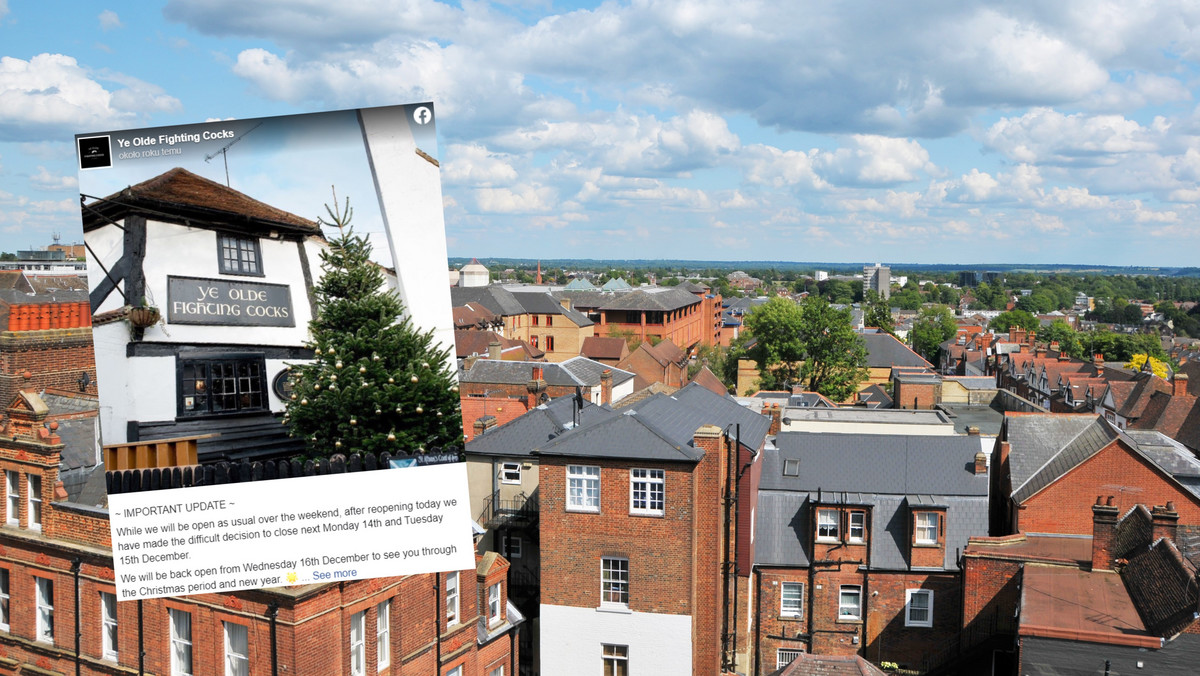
<point>1067,338</point>
<point>779,346</point>
<point>835,357</point>
<point>877,312</point>
<point>376,382</point>
<point>1021,318</point>
<point>932,327</point>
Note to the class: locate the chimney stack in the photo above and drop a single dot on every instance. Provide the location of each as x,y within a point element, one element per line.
<point>536,388</point>
<point>1104,530</point>
<point>1165,521</point>
<point>1180,383</point>
<point>980,463</point>
<point>494,350</point>
<point>606,386</point>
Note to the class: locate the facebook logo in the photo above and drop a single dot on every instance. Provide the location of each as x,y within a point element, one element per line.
<point>422,115</point>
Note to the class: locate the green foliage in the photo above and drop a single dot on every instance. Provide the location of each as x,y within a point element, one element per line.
<point>1067,338</point>
<point>777,325</point>
<point>877,312</point>
<point>932,327</point>
<point>835,356</point>
<point>1021,318</point>
<point>376,382</point>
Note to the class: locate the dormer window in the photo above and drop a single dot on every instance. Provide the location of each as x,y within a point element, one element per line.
<point>926,528</point>
<point>239,255</point>
<point>791,468</point>
<point>827,524</point>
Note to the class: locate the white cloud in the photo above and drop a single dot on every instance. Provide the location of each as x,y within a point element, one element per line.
<point>518,200</point>
<point>109,20</point>
<point>474,165</point>
<point>1047,136</point>
<point>874,160</point>
<point>51,94</point>
<point>768,165</point>
<point>44,180</point>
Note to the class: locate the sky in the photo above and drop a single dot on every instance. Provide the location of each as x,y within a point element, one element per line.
<point>917,132</point>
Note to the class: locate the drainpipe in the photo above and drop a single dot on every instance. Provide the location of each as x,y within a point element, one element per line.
<point>758,592</point>
<point>437,627</point>
<point>141,642</point>
<point>273,613</point>
<point>76,564</point>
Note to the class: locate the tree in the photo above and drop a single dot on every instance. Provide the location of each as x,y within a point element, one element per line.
<point>1021,318</point>
<point>1067,338</point>
<point>877,312</point>
<point>932,327</point>
<point>376,382</point>
<point>1138,362</point>
<point>835,357</point>
<point>776,326</point>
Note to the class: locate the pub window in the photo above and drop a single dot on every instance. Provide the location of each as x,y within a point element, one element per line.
<point>222,385</point>
<point>239,255</point>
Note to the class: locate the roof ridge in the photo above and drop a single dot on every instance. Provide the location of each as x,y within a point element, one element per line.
<point>1060,451</point>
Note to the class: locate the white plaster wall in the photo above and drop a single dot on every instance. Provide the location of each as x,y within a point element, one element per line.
<point>141,388</point>
<point>659,644</point>
<point>106,243</point>
<point>409,188</point>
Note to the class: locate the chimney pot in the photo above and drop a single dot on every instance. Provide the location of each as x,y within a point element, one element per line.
<point>1109,503</point>
<point>973,431</point>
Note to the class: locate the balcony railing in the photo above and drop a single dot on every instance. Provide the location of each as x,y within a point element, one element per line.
<point>520,511</point>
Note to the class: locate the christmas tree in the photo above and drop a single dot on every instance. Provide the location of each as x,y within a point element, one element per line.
<point>376,383</point>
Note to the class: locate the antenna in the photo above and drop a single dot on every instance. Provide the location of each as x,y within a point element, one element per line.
<point>224,152</point>
<point>57,237</point>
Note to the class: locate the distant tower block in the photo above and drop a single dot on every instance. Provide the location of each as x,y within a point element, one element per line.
<point>878,278</point>
<point>474,274</point>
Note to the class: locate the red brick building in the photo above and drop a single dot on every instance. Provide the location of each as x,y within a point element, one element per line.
<point>857,545</point>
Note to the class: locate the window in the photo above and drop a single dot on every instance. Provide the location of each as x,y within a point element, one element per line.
<point>4,596</point>
<point>549,339</point>
<point>232,384</point>
<point>108,625</point>
<point>616,659</point>
<point>791,599</point>
<point>451,599</point>
<point>358,644</point>
<point>926,528</point>
<point>237,649</point>
<point>13,485</point>
<point>456,671</point>
<point>383,634</point>
<point>850,603</point>
<point>35,502</point>
<point>181,642</point>
<point>646,491</point>
<point>827,524</point>
<point>791,467</point>
<point>494,604</point>
<point>239,255</point>
<point>583,488</point>
<point>45,609</point>
<point>498,671</point>
<point>537,319</point>
<point>512,547</point>
<point>858,526</point>
<point>533,340</point>
<point>918,608</point>
<point>614,581</point>
<point>785,656</point>
<point>549,320</point>
<point>510,473</point>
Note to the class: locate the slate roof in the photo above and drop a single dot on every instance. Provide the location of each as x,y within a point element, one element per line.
<point>691,287</point>
<point>884,350</point>
<point>1093,437</point>
<point>538,426</point>
<point>1035,439</point>
<point>1162,585</point>
<point>179,188</point>
<point>875,396</point>
<point>541,302</point>
<point>891,473</point>
<point>495,298</point>
<point>626,436</point>
<point>661,298</point>
<point>588,371</point>
<point>726,410</point>
<point>574,372</point>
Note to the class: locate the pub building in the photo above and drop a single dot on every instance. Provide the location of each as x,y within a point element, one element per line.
<point>201,295</point>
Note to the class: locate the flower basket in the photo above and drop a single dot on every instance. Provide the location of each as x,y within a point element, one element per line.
<point>144,316</point>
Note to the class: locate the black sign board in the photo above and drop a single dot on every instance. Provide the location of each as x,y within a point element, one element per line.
<point>224,302</point>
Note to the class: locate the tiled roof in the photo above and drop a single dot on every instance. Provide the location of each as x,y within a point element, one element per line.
<point>663,299</point>
<point>495,298</point>
<point>575,372</point>
<point>181,188</point>
<point>626,436</point>
<point>709,380</point>
<point>535,428</point>
<point>471,315</point>
<point>541,302</point>
<point>643,394</point>
<point>598,347</point>
<point>1162,585</point>
<point>691,287</point>
<point>807,664</point>
<point>469,342</point>
<point>665,352</point>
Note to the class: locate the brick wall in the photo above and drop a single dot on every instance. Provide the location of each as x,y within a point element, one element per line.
<point>990,588</point>
<point>53,358</point>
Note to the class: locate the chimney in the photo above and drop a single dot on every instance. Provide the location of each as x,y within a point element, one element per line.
<point>973,431</point>
<point>1040,351</point>
<point>483,424</point>
<point>1104,530</point>
<point>469,362</point>
<point>536,388</point>
<point>1098,358</point>
<point>1054,345</point>
<point>1181,384</point>
<point>566,303</point>
<point>776,415</point>
<point>606,386</point>
<point>494,350</point>
<point>980,463</point>
<point>1165,520</point>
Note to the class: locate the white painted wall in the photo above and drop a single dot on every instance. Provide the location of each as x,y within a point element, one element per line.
<point>659,644</point>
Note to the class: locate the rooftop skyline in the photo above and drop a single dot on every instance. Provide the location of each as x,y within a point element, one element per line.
<point>940,133</point>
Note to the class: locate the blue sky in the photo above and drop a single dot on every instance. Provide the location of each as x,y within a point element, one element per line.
<point>921,132</point>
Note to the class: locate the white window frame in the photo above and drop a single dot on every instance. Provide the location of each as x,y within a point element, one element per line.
<point>44,595</point>
<point>5,598</point>
<point>236,663</point>
<point>785,656</point>
<point>108,626</point>
<point>823,522</point>
<point>383,634</point>
<point>583,488</point>
<point>181,642</point>
<point>791,604</point>
<point>495,601</point>
<point>13,484</point>
<point>35,501</point>
<point>456,671</point>
<point>844,592</point>
<point>358,643</point>
<point>647,492</point>
<point>512,546</point>
<point>920,528</point>
<point>452,599</point>
<point>498,671</point>
<point>909,595</point>
<point>614,581</point>
<point>615,656</point>
<point>861,526</point>
<point>510,473</point>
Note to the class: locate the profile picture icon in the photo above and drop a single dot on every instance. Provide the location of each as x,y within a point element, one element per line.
<point>94,152</point>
